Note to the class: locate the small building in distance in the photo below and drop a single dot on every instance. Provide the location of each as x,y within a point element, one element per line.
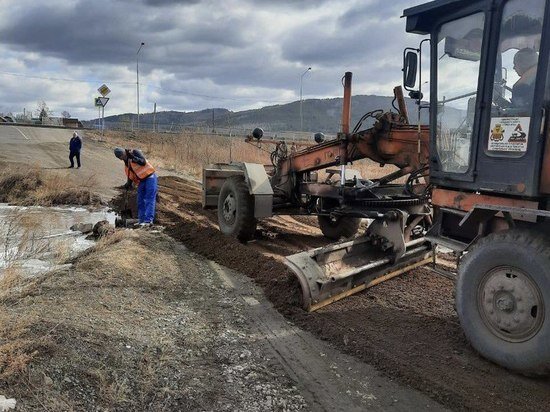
<point>72,123</point>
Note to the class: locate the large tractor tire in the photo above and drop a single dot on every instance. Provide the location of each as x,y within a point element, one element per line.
<point>341,227</point>
<point>236,210</point>
<point>503,300</point>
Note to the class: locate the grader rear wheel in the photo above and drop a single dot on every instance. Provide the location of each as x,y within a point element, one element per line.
<point>236,210</point>
<point>503,300</point>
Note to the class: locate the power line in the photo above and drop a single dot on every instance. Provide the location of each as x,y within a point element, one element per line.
<point>30,76</point>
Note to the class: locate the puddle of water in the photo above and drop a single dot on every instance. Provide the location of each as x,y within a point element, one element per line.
<point>36,239</point>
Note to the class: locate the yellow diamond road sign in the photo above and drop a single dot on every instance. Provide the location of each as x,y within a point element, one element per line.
<point>104,90</point>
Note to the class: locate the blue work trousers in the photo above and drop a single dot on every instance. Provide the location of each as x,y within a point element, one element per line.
<point>147,198</point>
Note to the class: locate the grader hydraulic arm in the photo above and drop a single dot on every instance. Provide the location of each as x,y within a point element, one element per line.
<point>391,140</point>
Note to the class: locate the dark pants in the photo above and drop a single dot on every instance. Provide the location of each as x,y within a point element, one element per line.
<point>72,155</point>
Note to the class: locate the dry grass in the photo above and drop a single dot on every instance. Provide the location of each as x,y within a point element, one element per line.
<point>17,347</point>
<point>11,279</point>
<point>189,153</point>
<point>68,339</point>
<point>21,185</point>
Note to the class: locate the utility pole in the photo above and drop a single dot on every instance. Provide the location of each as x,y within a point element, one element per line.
<point>213,129</point>
<point>154,117</point>
<point>301,114</point>
<point>137,81</point>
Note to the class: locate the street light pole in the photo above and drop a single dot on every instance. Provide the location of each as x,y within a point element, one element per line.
<point>301,115</point>
<point>137,81</point>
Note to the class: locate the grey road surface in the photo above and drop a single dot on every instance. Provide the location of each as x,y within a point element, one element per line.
<point>48,148</point>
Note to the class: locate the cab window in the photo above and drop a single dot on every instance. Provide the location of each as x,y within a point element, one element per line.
<point>458,59</point>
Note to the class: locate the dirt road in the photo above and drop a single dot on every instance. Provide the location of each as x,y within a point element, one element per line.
<point>406,327</point>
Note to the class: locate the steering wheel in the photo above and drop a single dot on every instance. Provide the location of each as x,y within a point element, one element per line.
<point>498,99</point>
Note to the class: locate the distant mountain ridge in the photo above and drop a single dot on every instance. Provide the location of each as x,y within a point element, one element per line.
<point>319,115</point>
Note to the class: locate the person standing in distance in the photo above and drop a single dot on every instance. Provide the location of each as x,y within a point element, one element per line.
<point>75,146</point>
<point>139,171</point>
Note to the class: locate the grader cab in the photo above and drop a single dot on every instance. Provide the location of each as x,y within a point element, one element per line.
<point>476,181</point>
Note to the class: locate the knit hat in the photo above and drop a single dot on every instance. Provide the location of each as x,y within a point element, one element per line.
<point>119,152</point>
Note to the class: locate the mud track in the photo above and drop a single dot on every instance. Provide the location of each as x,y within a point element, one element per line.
<point>407,327</point>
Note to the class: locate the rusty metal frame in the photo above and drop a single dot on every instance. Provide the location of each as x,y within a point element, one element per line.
<point>466,201</point>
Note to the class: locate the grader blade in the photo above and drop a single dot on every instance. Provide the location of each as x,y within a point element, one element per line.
<point>333,272</point>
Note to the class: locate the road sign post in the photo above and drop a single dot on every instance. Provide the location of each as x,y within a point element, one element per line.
<point>101,102</point>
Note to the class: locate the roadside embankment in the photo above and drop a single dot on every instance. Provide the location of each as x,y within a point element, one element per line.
<point>136,323</point>
<point>23,185</point>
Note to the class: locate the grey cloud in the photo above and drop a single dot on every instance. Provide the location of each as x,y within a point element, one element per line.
<point>91,32</point>
<point>289,3</point>
<point>202,50</point>
<point>365,33</point>
<point>364,14</point>
<point>317,46</point>
<point>170,2</point>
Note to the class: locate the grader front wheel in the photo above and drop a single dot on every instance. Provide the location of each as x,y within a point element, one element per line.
<point>503,300</point>
<point>340,227</point>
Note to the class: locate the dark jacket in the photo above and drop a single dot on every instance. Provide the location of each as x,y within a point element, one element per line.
<point>136,156</point>
<point>75,144</point>
<point>524,89</point>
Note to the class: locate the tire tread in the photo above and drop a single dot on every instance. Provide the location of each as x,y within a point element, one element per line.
<point>535,244</point>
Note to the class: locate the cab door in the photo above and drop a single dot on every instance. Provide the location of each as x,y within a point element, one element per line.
<point>459,53</point>
<point>510,143</point>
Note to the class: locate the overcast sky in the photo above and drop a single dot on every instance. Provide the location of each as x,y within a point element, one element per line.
<point>236,54</point>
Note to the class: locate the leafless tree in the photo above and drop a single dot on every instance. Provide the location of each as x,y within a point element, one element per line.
<point>42,110</point>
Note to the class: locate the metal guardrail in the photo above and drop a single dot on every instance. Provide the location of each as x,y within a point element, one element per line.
<point>44,126</point>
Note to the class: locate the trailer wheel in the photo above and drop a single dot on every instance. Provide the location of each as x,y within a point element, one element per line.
<point>340,227</point>
<point>236,210</point>
<point>503,300</point>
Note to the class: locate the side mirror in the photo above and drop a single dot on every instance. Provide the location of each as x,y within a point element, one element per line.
<point>410,66</point>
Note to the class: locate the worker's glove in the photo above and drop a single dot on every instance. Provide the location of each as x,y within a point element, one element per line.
<point>127,185</point>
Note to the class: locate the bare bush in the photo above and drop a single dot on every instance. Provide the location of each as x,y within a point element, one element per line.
<point>32,186</point>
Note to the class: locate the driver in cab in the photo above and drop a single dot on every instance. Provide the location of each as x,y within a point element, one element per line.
<point>525,65</point>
